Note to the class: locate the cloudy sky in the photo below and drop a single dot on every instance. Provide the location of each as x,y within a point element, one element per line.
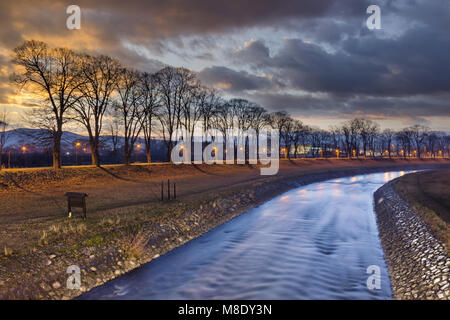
<point>316,59</point>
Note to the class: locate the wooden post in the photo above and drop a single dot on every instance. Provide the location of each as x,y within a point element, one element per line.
<point>162,190</point>
<point>174,190</point>
<point>168,189</point>
<point>69,208</point>
<point>84,208</point>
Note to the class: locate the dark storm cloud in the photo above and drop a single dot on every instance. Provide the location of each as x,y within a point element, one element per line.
<point>309,105</point>
<point>234,81</point>
<point>329,64</point>
<point>140,19</point>
<point>416,63</point>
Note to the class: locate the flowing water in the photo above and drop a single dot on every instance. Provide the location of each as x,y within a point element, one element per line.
<point>313,242</point>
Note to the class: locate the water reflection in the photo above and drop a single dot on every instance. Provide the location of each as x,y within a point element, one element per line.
<point>314,242</point>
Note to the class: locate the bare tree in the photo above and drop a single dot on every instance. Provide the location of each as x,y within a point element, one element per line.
<point>114,128</point>
<point>129,109</point>
<point>170,89</point>
<point>387,137</point>
<point>54,76</point>
<point>258,118</point>
<point>405,138</point>
<point>100,74</point>
<point>367,130</point>
<point>432,142</point>
<point>210,100</point>
<point>336,135</point>
<point>351,130</point>
<point>419,134</point>
<point>3,133</point>
<point>288,135</point>
<point>193,97</point>
<point>278,121</point>
<point>150,103</point>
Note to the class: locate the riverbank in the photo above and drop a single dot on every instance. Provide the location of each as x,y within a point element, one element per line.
<point>416,252</point>
<point>119,236</point>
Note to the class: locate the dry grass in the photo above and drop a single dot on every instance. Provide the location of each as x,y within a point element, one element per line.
<point>133,245</point>
<point>62,230</point>
<point>7,251</point>
<point>428,193</point>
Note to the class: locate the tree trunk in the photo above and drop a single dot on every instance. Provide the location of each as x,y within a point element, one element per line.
<point>94,152</point>
<point>95,156</point>
<point>127,152</point>
<point>169,150</point>
<point>57,151</point>
<point>148,151</point>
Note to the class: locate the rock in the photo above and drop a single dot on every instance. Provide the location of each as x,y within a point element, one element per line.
<point>52,256</point>
<point>49,262</point>
<point>56,285</point>
<point>117,272</point>
<point>93,269</point>
<point>155,256</point>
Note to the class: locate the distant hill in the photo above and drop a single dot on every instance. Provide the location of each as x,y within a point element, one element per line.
<point>37,140</point>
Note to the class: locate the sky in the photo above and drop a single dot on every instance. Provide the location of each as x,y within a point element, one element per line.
<point>316,59</point>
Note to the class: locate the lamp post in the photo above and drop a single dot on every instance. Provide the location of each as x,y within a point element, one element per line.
<point>138,147</point>
<point>337,153</point>
<point>77,144</point>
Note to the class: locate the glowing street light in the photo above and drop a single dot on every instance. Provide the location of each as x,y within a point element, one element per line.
<point>24,149</point>
<point>138,147</point>
<point>77,144</point>
<point>337,153</point>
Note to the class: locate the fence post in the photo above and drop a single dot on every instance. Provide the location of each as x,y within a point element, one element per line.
<point>168,189</point>
<point>174,190</point>
<point>162,190</point>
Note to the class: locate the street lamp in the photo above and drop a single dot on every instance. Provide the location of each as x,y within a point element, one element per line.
<point>77,144</point>
<point>138,147</point>
<point>337,153</point>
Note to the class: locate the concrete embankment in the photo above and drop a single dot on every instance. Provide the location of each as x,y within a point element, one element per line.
<point>418,263</point>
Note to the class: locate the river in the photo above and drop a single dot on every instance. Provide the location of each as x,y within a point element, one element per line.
<point>313,242</point>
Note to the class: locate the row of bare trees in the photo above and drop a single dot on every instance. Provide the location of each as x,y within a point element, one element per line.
<point>89,89</point>
<point>98,90</point>
<point>361,138</point>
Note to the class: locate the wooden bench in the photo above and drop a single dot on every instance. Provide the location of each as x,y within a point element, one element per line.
<point>76,200</point>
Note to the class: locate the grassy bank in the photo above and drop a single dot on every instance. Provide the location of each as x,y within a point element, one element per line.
<point>127,223</point>
<point>428,193</point>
